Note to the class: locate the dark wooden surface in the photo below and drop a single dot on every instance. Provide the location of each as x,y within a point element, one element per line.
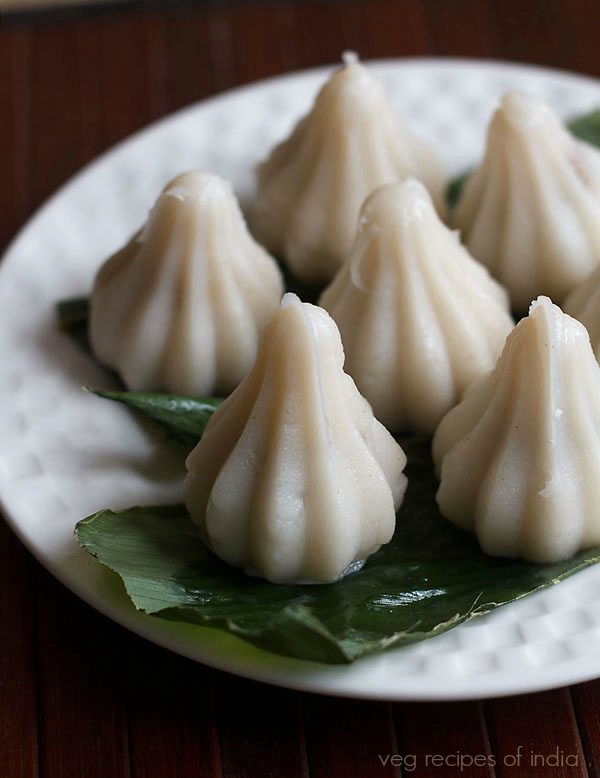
<point>79,696</point>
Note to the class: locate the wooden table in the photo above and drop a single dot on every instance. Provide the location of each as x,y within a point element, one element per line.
<point>79,696</point>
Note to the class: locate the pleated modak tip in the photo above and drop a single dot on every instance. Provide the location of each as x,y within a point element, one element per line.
<point>531,211</point>
<point>419,317</point>
<point>181,307</point>
<point>311,187</point>
<point>294,480</point>
<point>584,305</point>
<point>519,458</point>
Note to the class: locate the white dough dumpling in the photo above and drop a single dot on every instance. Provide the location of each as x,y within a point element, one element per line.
<point>294,480</point>
<point>181,307</point>
<point>531,211</point>
<point>584,304</point>
<point>311,187</point>
<point>419,318</point>
<point>519,458</point>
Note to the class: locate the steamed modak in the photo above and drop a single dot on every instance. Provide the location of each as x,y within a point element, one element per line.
<point>419,318</point>
<point>584,304</point>
<point>519,457</point>
<point>531,211</point>
<point>311,187</point>
<point>181,307</point>
<point>294,479</point>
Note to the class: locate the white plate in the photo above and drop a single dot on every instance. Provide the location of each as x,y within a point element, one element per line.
<point>65,454</point>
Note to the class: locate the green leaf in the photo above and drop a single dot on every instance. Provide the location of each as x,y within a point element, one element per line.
<point>430,578</point>
<point>454,188</point>
<point>586,127</point>
<point>184,417</point>
<point>73,318</point>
